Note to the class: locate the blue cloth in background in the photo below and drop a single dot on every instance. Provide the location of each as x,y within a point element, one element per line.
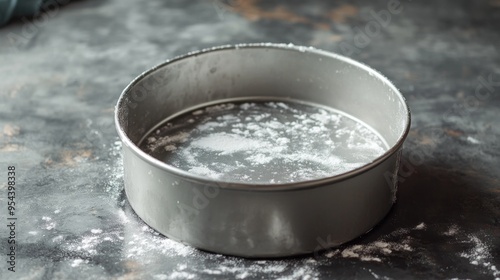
<point>10,9</point>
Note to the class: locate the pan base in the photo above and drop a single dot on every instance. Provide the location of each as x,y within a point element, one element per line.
<point>264,142</point>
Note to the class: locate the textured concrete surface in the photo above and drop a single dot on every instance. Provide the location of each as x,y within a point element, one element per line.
<point>62,72</point>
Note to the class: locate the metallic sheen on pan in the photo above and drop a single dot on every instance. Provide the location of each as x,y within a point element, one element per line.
<point>271,220</point>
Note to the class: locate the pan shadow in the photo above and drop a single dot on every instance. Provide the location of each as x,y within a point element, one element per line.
<point>442,217</point>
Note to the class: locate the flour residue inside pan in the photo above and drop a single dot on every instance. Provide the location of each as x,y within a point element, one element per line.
<point>264,142</point>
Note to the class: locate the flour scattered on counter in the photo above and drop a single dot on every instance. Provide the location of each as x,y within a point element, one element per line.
<point>371,252</point>
<point>144,245</point>
<point>49,223</point>
<point>277,268</point>
<point>452,230</point>
<point>57,239</point>
<point>149,241</point>
<point>216,265</point>
<point>242,275</point>
<point>212,271</point>
<point>123,217</point>
<point>473,140</point>
<point>77,262</point>
<point>232,267</point>
<point>300,273</point>
<point>88,243</point>
<point>480,255</point>
<point>397,242</point>
<point>331,254</point>
<point>421,226</point>
<point>376,276</point>
<point>181,275</point>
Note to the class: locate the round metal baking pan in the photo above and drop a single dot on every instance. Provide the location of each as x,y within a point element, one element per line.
<point>260,220</point>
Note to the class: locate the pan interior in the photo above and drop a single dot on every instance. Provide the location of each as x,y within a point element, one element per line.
<point>264,141</point>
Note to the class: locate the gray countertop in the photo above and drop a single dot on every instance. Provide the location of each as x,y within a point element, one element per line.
<point>61,74</point>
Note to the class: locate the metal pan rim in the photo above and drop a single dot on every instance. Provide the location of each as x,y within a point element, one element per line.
<point>263,187</point>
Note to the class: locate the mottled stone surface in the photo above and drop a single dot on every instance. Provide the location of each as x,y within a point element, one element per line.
<point>61,74</point>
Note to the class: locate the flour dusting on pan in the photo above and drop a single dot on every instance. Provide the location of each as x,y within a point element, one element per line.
<point>264,142</point>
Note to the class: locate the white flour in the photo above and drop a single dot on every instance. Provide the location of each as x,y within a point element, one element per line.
<point>480,255</point>
<point>452,230</point>
<point>421,226</point>
<point>264,142</point>
<point>49,223</point>
<point>376,251</point>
